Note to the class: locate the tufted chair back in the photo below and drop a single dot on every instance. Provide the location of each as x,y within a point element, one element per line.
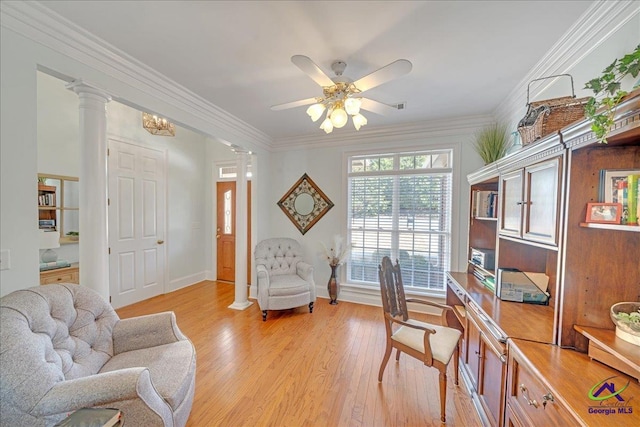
<point>278,255</point>
<point>284,279</point>
<point>70,330</point>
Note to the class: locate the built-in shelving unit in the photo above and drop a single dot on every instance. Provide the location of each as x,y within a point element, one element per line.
<point>542,194</point>
<point>58,205</point>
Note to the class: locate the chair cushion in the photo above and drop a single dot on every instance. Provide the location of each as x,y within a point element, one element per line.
<point>160,360</point>
<point>443,342</point>
<point>287,284</point>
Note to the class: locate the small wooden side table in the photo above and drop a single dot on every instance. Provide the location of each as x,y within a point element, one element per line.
<point>69,274</point>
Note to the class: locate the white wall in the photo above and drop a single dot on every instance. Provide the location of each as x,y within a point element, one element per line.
<point>58,153</point>
<point>20,57</point>
<point>186,178</point>
<point>616,40</point>
<point>327,168</point>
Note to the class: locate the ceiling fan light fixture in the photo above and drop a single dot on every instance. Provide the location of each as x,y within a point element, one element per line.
<point>327,126</point>
<point>315,111</point>
<point>359,120</point>
<point>339,117</point>
<point>352,106</point>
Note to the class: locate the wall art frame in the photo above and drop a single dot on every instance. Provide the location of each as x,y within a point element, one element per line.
<point>305,203</point>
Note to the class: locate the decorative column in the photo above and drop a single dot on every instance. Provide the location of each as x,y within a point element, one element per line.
<point>241,300</point>
<point>94,237</point>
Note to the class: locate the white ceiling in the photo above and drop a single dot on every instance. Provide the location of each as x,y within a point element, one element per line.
<point>467,55</point>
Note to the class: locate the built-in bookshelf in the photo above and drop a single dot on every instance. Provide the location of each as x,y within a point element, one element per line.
<point>58,206</point>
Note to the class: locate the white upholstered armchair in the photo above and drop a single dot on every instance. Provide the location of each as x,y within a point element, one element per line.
<point>284,279</point>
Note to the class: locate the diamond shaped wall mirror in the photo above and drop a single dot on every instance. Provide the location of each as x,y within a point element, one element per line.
<point>304,204</point>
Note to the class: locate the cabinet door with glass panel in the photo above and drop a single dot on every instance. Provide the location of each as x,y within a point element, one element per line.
<point>58,202</point>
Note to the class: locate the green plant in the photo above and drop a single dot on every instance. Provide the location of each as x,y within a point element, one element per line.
<point>492,142</point>
<point>602,107</point>
<point>73,233</point>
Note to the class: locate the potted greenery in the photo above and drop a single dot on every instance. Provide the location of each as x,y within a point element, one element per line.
<point>73,235</point>
<point>601,108</point>
<point>492,142</point>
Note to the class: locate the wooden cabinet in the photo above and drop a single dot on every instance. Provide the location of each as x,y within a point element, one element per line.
<point>61,275</point>
<point>529,398</point>
<point>543,191</point>
<point>551,386</point>
<point>486,364</point>
<point>530,202</point>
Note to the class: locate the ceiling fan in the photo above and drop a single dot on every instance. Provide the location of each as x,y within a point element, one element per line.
<point>341,96</point>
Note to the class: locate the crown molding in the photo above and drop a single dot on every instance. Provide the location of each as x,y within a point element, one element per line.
<point>35,21</point>
<point>408,131</point>
<point>602,19</point>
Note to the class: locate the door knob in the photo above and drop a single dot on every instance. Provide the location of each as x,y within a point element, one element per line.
<point>217,236</point>
<point>160,242</point>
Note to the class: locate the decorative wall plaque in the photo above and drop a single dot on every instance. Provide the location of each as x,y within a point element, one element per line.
<point>305,203</point>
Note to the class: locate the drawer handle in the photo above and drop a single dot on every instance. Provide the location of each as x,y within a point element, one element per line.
<point>525,394</point>
<point>547,398</point>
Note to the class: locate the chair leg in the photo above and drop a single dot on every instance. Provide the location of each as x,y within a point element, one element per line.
<point>264,315</point>
<point>385,359</point>
<point>456,359</point>
<point>443,395</point>
<point>397,355</point>
<point>311,307</point>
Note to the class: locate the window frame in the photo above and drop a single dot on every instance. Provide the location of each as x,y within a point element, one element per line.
<point>453,158</point>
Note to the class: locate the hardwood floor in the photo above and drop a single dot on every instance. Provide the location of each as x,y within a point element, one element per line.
<point>301,369</point>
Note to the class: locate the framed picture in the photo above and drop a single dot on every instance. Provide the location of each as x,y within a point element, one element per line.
<point>609,180</point>
<point>604,213</point>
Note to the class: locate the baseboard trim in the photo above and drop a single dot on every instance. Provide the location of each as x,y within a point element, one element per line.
<point>185,281</point>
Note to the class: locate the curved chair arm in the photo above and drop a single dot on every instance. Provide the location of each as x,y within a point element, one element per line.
<point>117,389</point>
<point>410,325</point>
<point>146,331</point>
<point>304,270</point>
<point>443,307</point>
<point>263,283</point>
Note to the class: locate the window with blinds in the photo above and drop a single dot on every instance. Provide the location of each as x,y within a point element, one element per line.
<point>400,206</point>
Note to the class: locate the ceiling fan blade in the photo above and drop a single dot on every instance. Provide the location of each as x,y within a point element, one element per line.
<point>294,104</point>
<point>388,72</point>
<point>377,107</point>
<point>312,70</point>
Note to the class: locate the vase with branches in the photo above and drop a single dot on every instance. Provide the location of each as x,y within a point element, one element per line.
<point>336,254</point>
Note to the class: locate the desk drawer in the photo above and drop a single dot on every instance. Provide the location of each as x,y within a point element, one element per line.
<point>528,396</point>
<point>65,275</point>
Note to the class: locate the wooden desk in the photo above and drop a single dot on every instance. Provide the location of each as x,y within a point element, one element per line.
<point>61,275</point>
<point>563,378</point>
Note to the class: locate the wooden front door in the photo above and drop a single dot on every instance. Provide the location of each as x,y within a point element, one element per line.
<point>226,231</point>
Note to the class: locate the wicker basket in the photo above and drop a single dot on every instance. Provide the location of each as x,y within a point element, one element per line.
<point>550,115</point>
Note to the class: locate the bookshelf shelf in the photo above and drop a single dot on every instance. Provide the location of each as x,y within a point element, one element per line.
<point>619,227</point>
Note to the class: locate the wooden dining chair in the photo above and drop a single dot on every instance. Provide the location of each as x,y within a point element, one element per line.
<point>434,345</point>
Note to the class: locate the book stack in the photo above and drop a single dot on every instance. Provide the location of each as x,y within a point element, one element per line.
<point>628,196</point>
<point>61,263</point>
<point>485,204</point>
<point>92,417</point>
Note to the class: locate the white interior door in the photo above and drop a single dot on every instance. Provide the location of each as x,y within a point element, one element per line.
<point>137,212</point>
